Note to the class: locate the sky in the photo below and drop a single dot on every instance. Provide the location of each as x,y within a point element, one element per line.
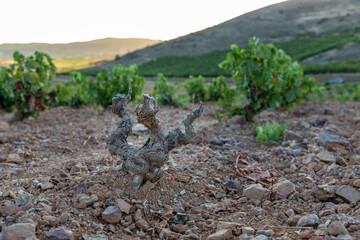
<point>63,21</point>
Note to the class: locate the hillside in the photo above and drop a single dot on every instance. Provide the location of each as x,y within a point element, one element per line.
<point>100,48</point>
<point>294,19</point>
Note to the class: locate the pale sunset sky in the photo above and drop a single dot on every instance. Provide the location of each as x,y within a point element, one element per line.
<point>62,21</point>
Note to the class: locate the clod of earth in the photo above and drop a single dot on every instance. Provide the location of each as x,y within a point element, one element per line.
<point>145,163</point>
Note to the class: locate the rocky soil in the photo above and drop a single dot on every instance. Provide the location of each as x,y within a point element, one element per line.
<point>59,182</point>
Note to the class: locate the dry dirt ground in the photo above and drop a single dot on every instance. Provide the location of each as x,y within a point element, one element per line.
<point>58,178</point>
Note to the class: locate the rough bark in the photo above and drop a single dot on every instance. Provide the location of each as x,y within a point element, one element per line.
<point>145,163</point>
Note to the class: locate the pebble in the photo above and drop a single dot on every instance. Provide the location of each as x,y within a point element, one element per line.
<point>4,126</point>
<point>326,157</point>
<point>293,220</point>
<point>326,137</point>
<point>260,237</point>
<point>18,231</point>
<point>310,220</point>
<point>142,224</point>
<point>112,214</point>
<point>51,220</point>
<point>305,234</point>
<point>14,158</point>
<point>285,188</point>
<point>60,234</point>
<point>140,128</point>
<point>46,186</point>
<point>248,230</point>
<point>343,208</point>
<point>179,228</point>
<point>269,233</point>
<point>350,194</point>
<point>291,136</point>
<point>255,191</point>
<point>233,186</point>
<point>344,237</point>
<point>256,211</point>
<point>222,234</point>
<point>123,205</point>
<point>336,228</point>
<point>356,183</point>
<point>22,198</point>
<point>320,121</point>
<point>79,168</point>
<point>95,237</point>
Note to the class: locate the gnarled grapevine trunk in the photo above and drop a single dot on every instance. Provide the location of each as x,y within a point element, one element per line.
<point>145,163</point>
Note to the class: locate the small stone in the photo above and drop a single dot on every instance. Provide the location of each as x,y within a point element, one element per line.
<point>96,237</point>
<point>167,234</point>
<point>291,136</point>
<point>79,168</point>
<point>9,210</point>
<point>138,215</point>
<point>22,198</point>
<point>350,194</point>
<point>255,191</point>
<point>343,208</point>
<point>356,183</point>
<point>285,188</point>
<point>305,234</point>
<point>311,220</point>
<point>179,228</point>
<point>248,230</point>
<point>142,224</point>
<point>325,192</point>
<point>60,234</point>
<point>14,158</point>
<point>64,217</point>
<point>53,221</point>
<point>222,234</point>
<point>123,205</point>
<point>344,237</point>
<point>215,139</point>
<point>181,218</point>
<point>260,237</point>
<point>269,233</point>
<point>90,131</point>
<point>233,186</point>
<point>324,138</point>
<point>140,128</point>
<point>46,186</point>
<point>293,220</point>
<point>256,211</point>
<point>18,231</point>
<point>112,215</point>
<point>326,157</point>
<point>336,228</point>
<point>320,121</point>
<point>326,212</point>
<point>4,126</point>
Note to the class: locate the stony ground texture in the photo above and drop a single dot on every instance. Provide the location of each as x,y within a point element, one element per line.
<point>59,182</point>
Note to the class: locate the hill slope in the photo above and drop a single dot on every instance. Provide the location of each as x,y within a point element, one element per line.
<point>277,23</point>
<point>107,47</point>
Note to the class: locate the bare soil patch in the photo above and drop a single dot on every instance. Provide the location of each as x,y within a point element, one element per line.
<point>56,173</point>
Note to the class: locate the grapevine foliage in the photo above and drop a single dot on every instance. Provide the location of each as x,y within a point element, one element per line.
<point>270,132</point>
<point>119,79</point>
<point>26,85</point>
<point>166,92</point>
<point>267,76</point>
